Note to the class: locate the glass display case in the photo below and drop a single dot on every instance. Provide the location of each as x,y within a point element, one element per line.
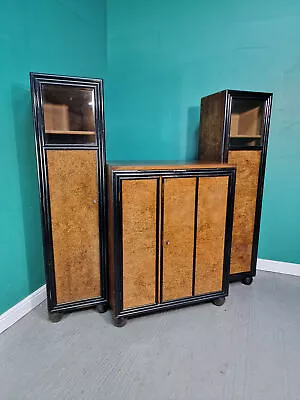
<point>70,150</point>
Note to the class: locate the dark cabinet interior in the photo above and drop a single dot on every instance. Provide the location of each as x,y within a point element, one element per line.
<point>246,122</point>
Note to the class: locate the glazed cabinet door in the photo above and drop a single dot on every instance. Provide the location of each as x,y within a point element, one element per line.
<point>74,215</point>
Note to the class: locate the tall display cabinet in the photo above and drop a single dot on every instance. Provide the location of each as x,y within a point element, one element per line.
<point>234,128</point>
<point>70,150</point>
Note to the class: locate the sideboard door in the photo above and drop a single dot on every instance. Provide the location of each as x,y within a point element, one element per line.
<point>210,234</point>
<point>139,237</point>
<point>177,237</point>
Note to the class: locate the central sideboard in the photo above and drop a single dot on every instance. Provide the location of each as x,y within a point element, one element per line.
<point>170,230</point>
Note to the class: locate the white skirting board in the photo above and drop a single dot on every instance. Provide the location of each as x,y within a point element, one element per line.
<point>22,308</point>
<point>278,266</point>
<point>34,299</point>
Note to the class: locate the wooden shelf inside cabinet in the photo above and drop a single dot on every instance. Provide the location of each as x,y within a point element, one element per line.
<point>62,132</point>
<point>245,137</point>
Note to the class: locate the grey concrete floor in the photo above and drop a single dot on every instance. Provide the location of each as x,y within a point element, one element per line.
<point>249,349</point>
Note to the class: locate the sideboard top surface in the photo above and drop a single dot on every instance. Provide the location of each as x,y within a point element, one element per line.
<point>159,165</point>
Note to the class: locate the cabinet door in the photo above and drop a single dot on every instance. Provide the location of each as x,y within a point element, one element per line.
<point>248,163</point>
<point>139,235</point>
<point>178,237</point>
<point>210,236</point>
<point>73,193</point>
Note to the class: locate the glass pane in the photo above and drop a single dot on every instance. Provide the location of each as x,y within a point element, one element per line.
<point>68,114</point>
<point>246,122</point>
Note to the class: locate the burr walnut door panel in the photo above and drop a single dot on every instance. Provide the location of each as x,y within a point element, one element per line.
<point>247,163</point>
<point>139,235</point>
<point>73,193</point>
<point>178,237</point>
<point>210,235</point>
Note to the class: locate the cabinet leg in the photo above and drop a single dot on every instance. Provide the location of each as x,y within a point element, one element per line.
<point>55,316</point>
<point>101,308</point>
<point>219,301</point>
<point>247,280</point>
<point>119,322</point>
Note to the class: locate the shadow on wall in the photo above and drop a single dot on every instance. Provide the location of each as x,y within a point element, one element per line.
<point>192,133</point>
<point>24,138</point>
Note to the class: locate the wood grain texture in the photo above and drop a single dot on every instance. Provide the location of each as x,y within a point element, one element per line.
<point>73,192</point>
<point>139,241</point>
<point>247,163</point>
<point>178,230</point>
<point>211,126</point>
<point>170,166</point>
<point>211,224</point>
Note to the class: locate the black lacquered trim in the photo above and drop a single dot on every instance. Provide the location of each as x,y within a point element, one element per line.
<point>157,263</point>
<point>195,235</point>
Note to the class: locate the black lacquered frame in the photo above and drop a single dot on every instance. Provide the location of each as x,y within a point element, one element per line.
<point>37,80</point>
<point>118,176</point>
<point>266,98</point>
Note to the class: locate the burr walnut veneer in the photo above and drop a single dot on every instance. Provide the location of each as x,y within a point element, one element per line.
<point>169,235</point>
<point>69,132</point>
<point>234,128</point>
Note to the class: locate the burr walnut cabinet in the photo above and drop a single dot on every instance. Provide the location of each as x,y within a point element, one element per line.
<point>169,236</point>
<point>234,128</point>
<point>69,133</point>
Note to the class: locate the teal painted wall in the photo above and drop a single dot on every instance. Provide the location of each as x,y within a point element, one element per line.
<point>62,37</point>
<point>164,55</point>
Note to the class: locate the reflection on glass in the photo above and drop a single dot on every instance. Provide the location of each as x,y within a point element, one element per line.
<point>68,114</point>
<point>246,122</point>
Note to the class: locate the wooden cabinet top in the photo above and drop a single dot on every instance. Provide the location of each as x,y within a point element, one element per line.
<point>161,165</point>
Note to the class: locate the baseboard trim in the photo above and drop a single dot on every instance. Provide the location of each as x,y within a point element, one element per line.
<point>279,267</point>
<point>22,308</point>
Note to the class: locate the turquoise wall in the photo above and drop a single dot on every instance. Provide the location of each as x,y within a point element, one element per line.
<point>164,55</point>
<point>158,58</point>
<point>62,37</point>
